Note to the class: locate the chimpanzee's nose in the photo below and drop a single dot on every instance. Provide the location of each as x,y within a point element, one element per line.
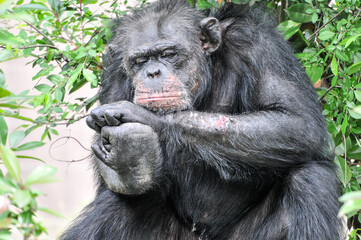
<point>153,73</point>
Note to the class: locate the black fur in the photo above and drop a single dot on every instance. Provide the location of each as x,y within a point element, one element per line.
<point>264,173</point>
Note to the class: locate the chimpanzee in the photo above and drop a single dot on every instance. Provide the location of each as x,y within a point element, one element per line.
<point>208,128</point>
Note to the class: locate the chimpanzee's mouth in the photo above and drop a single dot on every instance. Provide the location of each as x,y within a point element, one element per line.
<point>160,98</point>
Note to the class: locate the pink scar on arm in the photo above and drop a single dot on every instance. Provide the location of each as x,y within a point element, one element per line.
<point>221,124</point>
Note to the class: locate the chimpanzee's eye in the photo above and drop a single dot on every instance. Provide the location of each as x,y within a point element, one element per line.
<point>140,60</point>
<point>168,53</point>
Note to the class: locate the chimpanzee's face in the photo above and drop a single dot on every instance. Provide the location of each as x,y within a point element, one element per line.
<point>159,62</point>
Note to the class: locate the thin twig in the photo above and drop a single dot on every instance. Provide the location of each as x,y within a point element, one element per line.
<point>324,25</point>
<point>36,29</point>
<point>94,34</point>
<point>81,24</point>
<point>68,161</point>
<point>36,46</point>
<point>327,91</point>
<point>344,142</point>
<point>66,33</point>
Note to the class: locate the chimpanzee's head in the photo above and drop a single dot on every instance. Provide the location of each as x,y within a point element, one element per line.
<point>165,54</point>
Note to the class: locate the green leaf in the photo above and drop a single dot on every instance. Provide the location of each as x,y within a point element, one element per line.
<point>358,95</point>
<point>334,81</point>
<point>90,77</point>
<point>5,186</point>
<point>7,38</point>
<point>342,56</point>
<point>34,6</point>
<point>288,28</point>
<point>17,16</point>
<point>4,92</point>
<point>52,212</point>
<point>29,157</point>
<point>350,195</point>
<point>58,95</point>
<point>3,130</point>
<point>344,125</point>
<point>30,145</point>
<point>345,173</point>
<point>22,198</point>
<point>299,13</point>
<point>55,79</point>
<point>5,55</point>
<point>334,67</point>
<point>42,174</point>
<point>43,88</point>
<point>354,152</point>
<point>352,202</point>
<point>203,4</point>
<point>314,17</point>
<point>74,75</point>
<point>348,41</point>
<point>315,72</point>
<point>355,112</point>
<point>326,34</point>
<point>11,162</point>
<point>4,5</point>
<point>15,138</point>
<point>354,68</point>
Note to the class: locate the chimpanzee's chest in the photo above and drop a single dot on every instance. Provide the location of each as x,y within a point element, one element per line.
<point>209,204</point>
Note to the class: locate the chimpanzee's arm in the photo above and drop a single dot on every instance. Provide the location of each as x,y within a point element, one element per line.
<point>284,131</point>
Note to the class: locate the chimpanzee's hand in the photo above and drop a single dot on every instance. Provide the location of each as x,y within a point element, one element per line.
<point>132,151</point>
<point>117,113</point>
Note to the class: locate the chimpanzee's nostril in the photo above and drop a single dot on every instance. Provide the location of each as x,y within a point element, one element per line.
<point>154,74</point>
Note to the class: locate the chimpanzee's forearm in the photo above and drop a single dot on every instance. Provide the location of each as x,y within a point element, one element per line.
<point>265,138</point>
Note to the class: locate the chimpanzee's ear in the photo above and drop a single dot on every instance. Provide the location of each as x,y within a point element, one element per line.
<point>211,34</point>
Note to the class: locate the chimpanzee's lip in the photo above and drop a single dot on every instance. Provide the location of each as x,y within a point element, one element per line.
<point>158,98</point>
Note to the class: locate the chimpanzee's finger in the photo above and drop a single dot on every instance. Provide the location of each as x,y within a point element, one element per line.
<point>98,116</point>
<point>99,153</point>
<point>106,144</point>
<point>112,117</point>
<point>92,124</point>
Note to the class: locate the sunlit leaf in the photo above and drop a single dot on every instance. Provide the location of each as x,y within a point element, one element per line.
<point>6,187</point>
<point>3,130</point>
<point>288,28</point>
<point>34,6</point>
<point>8,38</point>
<point>334,67</point>
<point>22,198</point>
<point>42,174</point>
<point>325,35</point>
<point>52,212</point>
<point>315,72</point>
<point>30,145</point>
<point>354,68</point>
<point>90,77</point>
<point>352,202</point>
<point>355,112</point>
<point>4,5</point>
<point>15,138</point>
<point>299,13</point>
<point>11,163</point>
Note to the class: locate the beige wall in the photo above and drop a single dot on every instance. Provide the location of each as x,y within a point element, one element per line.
<point>75,188</point>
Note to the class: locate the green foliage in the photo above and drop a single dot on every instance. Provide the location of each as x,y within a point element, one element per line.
<point>65,40</point>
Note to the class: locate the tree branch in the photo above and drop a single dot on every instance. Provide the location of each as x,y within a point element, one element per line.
<point>324,25</point>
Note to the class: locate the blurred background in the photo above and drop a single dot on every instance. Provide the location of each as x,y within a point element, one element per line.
<point>75,187</point>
